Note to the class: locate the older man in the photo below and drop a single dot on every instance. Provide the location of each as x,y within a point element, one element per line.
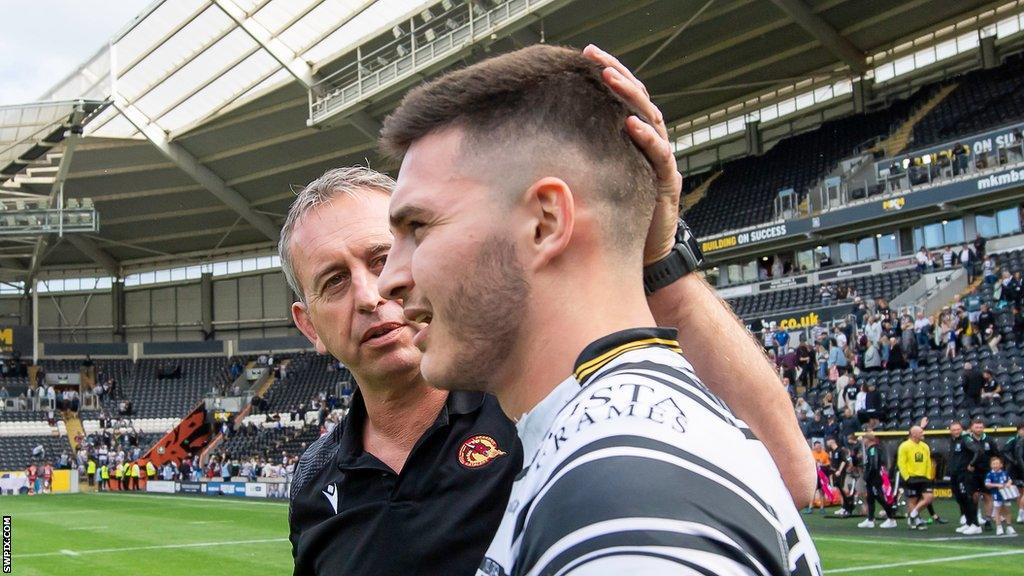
<point>519,221</point>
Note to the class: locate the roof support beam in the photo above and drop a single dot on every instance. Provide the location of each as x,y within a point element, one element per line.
<point>823,32</point>
<point>98,255</point>
<point>366,124</point>
<point>195,169</point>
<point>297,67</point>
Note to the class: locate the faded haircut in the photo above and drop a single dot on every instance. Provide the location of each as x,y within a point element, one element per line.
<point>550,106</point>
<point>334,182</point>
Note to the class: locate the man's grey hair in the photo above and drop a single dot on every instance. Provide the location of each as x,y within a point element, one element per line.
<point>334,182</point>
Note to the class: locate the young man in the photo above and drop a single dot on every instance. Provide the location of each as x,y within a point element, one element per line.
<point>519,222</point>
<point>981,449</point>
<point>839,464</point>
<point>914,459</point>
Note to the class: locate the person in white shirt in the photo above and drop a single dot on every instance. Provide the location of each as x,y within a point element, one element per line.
<point>873,329</point>
<point>923,259</point>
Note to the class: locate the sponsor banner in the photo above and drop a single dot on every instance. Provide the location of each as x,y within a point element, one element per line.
<point>799,319</point>
<point>192,487</point>
<point>13,483</point>
<point>783,283</point>
<point>899,263</point>
<point>894,204</point>
<point>943,492</point>
<point>160,486</point>
<point>1001,179</point>
<point>255,490</point>
<point>755,236</point>
<point>735,291</point>
<point>844,273</point>
<point>226,488</point>
<point>278,490</point>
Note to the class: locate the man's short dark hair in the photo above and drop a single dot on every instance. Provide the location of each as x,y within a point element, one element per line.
<point>550,100</point>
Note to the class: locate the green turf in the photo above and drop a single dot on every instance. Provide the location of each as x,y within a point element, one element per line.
<point>129,534</point>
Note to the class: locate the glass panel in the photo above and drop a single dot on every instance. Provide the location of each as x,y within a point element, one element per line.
<point>847,252</point>
<point>806,261</point>
<point>162,276</point>
<point>918,238</point>
<point>750,271</point>
<point>933,236</point>
<point>888,247</point>
<point>954,231</point>
<point>264,262</point>
<point>220,268</point>
<point>734,274</point>
<point>1009,221</point>
<point>178,274</point>
<point>986,225</point>
<point>234,266</point>
<point>866,249</point>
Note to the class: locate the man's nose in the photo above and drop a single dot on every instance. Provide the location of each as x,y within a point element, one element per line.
<point>367,295</point>
<point>395,279</point>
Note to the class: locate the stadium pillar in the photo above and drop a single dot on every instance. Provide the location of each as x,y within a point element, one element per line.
<point>989,52</point>
<point>117,307</point>
<point>35,322</point>
<point>861,94</point>
<point>206,304</point>
<point>754,138</point>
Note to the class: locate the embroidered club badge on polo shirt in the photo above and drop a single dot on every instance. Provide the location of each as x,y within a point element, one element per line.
<point>478,451</point>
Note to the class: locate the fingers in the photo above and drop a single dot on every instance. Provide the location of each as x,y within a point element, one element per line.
<point>656,148</point>
<point>633,95</point>
<point>605,59</point>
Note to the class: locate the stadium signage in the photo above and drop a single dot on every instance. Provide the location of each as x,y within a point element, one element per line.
<point>750,237</point>
<point>800,319</point>
<point>160,486</point>
<point>844,273</point>
<point>1001,179</point>
<point>255,490</point>
<point>894,203</point>
<point>783,283</point>
<point>192,488</point>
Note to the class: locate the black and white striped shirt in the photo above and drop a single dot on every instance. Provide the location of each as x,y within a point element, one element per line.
<point>631,466</point>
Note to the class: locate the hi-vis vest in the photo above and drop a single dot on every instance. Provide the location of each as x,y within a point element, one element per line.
<point>135,470</point>
<point>104,472</point>
<point>150,469</point>
<point>91,468</point>
<point>119,471</point>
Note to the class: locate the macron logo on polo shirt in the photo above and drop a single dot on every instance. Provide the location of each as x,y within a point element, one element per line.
<point>331,492</point>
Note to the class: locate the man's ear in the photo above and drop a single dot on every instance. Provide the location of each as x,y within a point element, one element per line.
<point>552,210</point>
<point>300,315</point>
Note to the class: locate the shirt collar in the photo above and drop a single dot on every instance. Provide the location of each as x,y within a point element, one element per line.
<point>533,427</point>
<point>350,450</point>
<point>603,350</point>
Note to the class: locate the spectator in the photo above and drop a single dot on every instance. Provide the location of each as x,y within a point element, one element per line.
<point>997,481</point>
<point>816,428</point>
<point>782,342</point>
<point>1018,324</point>
<point>803,408</point>
<point>837,363</point>
<point>821,360</point>
<point>805,362</point>
<point>972,383</point>
<point>991,390</point>
<point>988,270</point>
<point>1016,288</point>
<point>967,260</point>
<point>947,258</point>
<point>923,260</point>
<point>826,295</point>
<point>873,329</point>
<point>979,247</point>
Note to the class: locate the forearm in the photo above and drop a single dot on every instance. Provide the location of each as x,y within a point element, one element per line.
<point>728,360</point>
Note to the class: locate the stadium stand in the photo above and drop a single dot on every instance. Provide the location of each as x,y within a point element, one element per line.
<point>171,387</point>
<point>309,374</point>
<point>744,194</point>
<point>885,285</point>
<point>984,99</point>
<point>16,452</point>
<point>269,443</point>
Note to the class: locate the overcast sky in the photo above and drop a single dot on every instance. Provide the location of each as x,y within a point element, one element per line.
<point>44,40</point>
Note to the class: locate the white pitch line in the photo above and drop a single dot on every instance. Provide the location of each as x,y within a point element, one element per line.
<point>992,537</point>
<point>154,547</point>
<point>921,562</point>
<point>209,521</point>
<point>104,527</point>
<point>902,542</point>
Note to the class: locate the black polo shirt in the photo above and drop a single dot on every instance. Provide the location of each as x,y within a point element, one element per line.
<point>351,514</point>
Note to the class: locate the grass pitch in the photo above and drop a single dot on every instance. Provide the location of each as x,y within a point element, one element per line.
<point>128,534</point>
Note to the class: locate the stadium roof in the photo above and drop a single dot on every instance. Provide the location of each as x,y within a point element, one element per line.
<point>207,134</point>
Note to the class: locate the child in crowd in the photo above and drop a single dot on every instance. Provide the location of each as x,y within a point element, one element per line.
<point>1003,494</point>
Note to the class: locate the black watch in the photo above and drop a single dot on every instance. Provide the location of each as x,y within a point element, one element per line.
<point>684,258</point>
